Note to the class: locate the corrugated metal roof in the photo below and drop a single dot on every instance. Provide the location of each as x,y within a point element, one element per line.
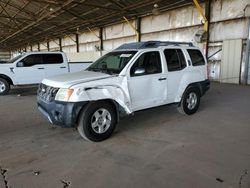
<point>25,22</point>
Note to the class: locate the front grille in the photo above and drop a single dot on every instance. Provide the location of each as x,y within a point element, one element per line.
<point>47,93</point>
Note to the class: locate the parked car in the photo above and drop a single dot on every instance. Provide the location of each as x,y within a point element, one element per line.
<point>1,61</point>
<point>133,77</point>
<point>33,67</point>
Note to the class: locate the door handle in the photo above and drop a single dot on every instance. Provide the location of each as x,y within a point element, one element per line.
<point>40,68</point>
<point>62,67</point>
<point>161,79</point>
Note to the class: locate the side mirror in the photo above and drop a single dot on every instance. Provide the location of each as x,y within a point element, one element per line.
<point>20,64</point>
<point>139,71</point>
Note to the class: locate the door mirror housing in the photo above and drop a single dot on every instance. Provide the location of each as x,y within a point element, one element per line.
<point>20,64</point>
<point>139,71</point>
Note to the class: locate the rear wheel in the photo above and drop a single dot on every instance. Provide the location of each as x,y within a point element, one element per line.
<point>4,86</point>
<point>190,101</point>
<point>97,121</point>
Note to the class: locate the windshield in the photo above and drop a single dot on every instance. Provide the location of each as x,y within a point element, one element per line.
<point>14,59</point>
<point>113,62</point>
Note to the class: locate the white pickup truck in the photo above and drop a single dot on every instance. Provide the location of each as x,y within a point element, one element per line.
<point>133,77</point>
<point>33,67</point>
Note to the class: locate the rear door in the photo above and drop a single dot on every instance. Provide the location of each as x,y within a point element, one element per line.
<point>176,65</point>
<point>31,72</point>
<point>54,64</point>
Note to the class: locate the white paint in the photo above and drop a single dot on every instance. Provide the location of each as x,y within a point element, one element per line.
<point>34,74</point>
<point>132,93</point>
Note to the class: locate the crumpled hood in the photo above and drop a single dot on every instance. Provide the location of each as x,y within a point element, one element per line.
<point>70,79</point>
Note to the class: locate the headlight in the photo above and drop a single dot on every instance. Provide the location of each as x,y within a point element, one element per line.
<point>64,94</point>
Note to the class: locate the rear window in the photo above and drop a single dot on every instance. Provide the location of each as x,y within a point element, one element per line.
<point>196,57</point>
<point>175,59</point>
<point>52,58</point>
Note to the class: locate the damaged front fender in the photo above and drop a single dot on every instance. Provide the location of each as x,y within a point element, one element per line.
<point>113,92</point>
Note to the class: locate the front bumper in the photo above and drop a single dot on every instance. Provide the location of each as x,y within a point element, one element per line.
<point>63,114</point>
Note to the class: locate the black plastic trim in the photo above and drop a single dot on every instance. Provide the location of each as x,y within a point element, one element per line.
<point>63,114</point>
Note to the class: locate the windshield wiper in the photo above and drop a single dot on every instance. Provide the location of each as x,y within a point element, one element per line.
<point>99,70</point>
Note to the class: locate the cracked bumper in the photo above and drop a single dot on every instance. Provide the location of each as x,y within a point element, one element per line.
<point>63,114</point>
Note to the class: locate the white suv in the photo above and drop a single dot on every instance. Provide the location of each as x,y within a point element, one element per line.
<point>133,77</point>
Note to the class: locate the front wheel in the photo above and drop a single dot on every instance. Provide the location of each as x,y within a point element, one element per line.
<point>4,86</point>
<point>190,101</point>
<point>97,121</point>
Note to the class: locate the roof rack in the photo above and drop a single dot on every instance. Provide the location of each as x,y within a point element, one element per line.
<point>151,44</point>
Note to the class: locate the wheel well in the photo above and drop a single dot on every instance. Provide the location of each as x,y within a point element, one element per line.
<point>117,107</point>
<point>196,85</point>
<point>6,78</point>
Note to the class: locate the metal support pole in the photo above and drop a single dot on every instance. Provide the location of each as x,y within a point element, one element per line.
<point>48,45</point>
<point>77,43</point>
<point>207,14</point>
<point>31,49</point>
<point>38,47</point>
<point>138,28</point>
<point>60,44</point>
<point>101,38</point>
<point>246,76</point>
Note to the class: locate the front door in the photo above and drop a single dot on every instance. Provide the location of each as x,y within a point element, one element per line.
<point>147,83</point>
<point>31,71</point>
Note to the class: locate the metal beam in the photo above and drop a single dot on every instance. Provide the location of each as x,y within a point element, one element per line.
<point>199,8</point>
<point>134,28</point>
<point>37,21</point>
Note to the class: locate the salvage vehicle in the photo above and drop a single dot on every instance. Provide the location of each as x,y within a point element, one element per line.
<point>33,67</point>
<point>133,77</point>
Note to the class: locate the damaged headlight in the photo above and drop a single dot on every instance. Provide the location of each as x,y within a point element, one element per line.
<point>64,94</point>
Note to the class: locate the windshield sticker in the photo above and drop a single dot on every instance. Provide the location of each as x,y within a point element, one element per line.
<point>125,55</point>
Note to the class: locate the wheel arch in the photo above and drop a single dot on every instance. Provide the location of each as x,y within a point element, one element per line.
<point>7,78</point>
<point>117,107</point>
<point>181,94</point>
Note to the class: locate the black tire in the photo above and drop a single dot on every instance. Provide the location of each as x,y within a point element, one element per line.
<point>190,101</point>
<point>4,86</point>
<point>88,119</point>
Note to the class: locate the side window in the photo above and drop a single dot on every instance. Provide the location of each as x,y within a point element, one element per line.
<point>196,57</point>
<point>52,58</point>
<point>32,60</point>
<point>175,59</point>
<point>149,61</point>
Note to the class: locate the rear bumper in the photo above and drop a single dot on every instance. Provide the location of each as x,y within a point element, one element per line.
<point>63,114</point>
<point>205,86</point>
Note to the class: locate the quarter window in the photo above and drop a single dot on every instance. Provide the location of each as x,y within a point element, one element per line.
<point>149,61</point>
<point>196,57</point>
<point>175,59</point>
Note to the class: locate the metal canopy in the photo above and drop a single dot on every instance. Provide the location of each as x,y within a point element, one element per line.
<point>27,22</point>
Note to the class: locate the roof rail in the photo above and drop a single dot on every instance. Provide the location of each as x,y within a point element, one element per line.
<point>151,44</point>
